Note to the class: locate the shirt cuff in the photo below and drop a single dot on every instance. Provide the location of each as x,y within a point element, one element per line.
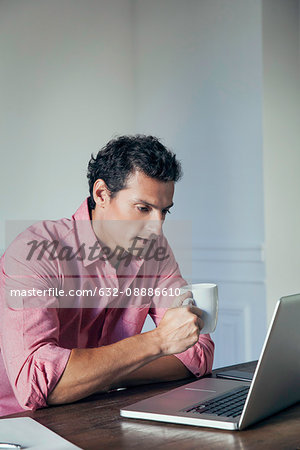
<point>199,358</point>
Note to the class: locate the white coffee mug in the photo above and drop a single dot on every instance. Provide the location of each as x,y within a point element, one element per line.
<point>205,296</point>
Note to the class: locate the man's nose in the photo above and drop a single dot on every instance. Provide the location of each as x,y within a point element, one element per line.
<point>155,227</point>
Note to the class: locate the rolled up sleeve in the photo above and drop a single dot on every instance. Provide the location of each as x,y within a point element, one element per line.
<point>32,357</point>
<point>33,360</point>
<point>199,358</point>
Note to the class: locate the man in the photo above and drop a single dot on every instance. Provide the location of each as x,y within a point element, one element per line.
<point>59,345</point>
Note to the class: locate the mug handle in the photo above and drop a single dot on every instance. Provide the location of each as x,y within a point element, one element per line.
<point>188,301</point>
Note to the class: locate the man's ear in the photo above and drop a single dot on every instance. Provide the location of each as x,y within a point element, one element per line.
<point>101,193</point>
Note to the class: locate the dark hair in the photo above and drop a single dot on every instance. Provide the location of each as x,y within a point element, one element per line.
<point>120,157</point>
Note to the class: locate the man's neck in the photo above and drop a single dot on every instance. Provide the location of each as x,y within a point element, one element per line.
<point>115,260</point>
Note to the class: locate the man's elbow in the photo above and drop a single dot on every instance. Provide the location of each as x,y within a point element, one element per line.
<point>28,399</point>
<point>29,389</point>
<point>61,395</point>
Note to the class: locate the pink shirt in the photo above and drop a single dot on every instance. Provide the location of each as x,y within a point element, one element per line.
<point>52,314</point>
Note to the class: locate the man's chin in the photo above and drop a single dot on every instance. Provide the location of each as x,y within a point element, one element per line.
<point>139,247</point>
<point>138,253</point>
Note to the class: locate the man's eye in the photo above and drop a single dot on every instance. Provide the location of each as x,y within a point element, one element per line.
<point>143,209</point>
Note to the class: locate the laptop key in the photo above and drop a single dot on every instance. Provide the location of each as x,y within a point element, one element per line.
<point>237,414</point>
<point>238,411</point>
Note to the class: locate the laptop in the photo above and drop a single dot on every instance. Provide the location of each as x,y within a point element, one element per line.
<point>234,405</point>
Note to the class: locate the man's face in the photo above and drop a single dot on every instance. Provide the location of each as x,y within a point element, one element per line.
<point>136,213</point>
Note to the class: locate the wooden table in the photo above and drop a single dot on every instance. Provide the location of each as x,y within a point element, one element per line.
<point>95,423</point>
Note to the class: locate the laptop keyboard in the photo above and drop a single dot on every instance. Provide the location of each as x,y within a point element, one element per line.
<point>230,404</point>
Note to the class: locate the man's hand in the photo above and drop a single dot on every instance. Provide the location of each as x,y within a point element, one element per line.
<point>180,327</point>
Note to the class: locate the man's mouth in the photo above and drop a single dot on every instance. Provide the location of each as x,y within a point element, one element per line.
<point>145,240</point>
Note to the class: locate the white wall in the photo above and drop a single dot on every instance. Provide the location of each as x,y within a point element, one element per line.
<point>199,87</point>
<point>66,88</point>
<point>281,147</point>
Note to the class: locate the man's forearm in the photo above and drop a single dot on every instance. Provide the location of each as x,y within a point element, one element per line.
<point>166,368</point>
<point>91,370</point>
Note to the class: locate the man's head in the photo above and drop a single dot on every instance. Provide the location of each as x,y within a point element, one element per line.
<point>131,183</point>
<point>121,157</point>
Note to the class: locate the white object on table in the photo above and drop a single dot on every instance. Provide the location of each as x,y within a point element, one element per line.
<point>32,435</point>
